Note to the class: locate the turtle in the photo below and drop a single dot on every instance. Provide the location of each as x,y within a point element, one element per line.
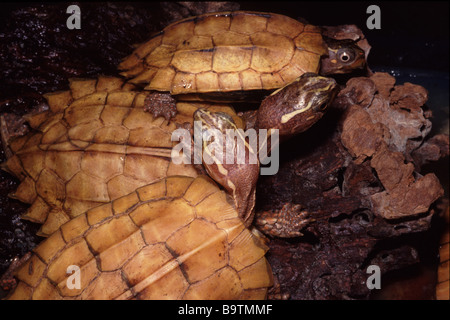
<point>179,236</point>
<point>94,144</point>
<point>231,56</point>
<point>443,278</point>
<point>97,143</point>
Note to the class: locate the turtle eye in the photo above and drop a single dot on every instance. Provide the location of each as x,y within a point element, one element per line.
<point>323,106</point>
<point>345,56</point>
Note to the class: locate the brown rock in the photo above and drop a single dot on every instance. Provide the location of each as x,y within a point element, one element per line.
<point>358,91</point>
<point>384,83</point>
<point>360,135</point>
<point>409,97</point>
<point>392,169</point>
<point>408,200</point>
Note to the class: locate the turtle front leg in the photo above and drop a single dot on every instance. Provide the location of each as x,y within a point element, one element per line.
<point>161,105</point>
<point>284,223</point>
<point>7,280</point>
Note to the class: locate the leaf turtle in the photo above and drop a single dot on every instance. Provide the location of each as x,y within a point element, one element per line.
<point>177,236</point>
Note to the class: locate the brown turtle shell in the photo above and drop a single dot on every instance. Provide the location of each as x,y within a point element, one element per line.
<point>443,281</point>
<point>177,238</point>
<point>224,52</point>
<point>94,145</point>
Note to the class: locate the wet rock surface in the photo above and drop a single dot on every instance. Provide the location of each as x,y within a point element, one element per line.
<point>357,171</point>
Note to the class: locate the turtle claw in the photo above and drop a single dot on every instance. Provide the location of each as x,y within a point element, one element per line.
<point>161,105</point>
<point>275,292</point>
<point>11,127</point>
<point>5,136</point>
<point>284,223</point>
<point>7,280</point>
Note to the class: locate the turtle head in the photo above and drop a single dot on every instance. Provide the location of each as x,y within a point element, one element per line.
<point>344,56</point>
<point>228,158</point>
<point>297,106</point>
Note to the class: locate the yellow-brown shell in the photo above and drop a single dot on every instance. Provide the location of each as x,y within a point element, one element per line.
<point>228,51</point>
<point>177,238</point>
<point>95,144</point>
<point>443,281</point>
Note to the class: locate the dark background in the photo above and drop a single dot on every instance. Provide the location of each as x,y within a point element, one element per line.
<point>413,34</point>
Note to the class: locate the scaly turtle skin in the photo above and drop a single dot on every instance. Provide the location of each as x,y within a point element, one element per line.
<point>223,55</point>
<point>95,144</point>
<point>178,237</point>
